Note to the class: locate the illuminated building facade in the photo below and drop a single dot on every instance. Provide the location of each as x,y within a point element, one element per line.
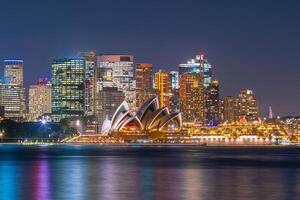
<point>150,117</point>
<point>89,82</point>
<point>117,71</point>
<point>163,84</point>
<point>12,99</point>
<point>68,77</point>
<point>175,91</point>
<point>212,104</point>
<point>107,101</point>
<point>246,106</point>
<point>191,98</point>
<point>14,69</point>
<point>228,109</point>
<point>144,83</point>
<point>201,65</point>
<point>198,65</point>
<point>39,100</point>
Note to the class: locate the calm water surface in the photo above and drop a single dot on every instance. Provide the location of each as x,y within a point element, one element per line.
<point>148,172</point>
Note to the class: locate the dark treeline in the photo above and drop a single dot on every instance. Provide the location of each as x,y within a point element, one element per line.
<point>12,129</point>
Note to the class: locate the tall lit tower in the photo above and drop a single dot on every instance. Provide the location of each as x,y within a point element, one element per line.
<point>191,98</point>
<point>175,91</point>
<point>144,83</point>
<point>199,65</point>
<point>14,69</point>
<point>68,75</point>
<point>117,70</point>
<point>212,104</point>
<point>163,84</point>
<point>89,82</point>
<point>247,106</point>
<point>12,99</point>
<point>228,109</point>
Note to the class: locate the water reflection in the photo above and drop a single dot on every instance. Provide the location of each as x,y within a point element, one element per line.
<point>39,181</point>
<point>9,186</point>
<point>147,173</point>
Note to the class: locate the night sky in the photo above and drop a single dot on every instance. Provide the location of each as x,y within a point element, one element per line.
<point>251,44</point>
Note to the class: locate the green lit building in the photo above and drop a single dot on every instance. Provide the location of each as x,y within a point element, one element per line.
<point>67,88</point>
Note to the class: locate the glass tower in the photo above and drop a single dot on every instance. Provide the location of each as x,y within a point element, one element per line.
<point>175,91</point>
<point>199,64</point>
<point>67,88</point>
<point>89,82</point>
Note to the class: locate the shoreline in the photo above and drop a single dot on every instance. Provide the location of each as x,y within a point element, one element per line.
<point>151,144</point>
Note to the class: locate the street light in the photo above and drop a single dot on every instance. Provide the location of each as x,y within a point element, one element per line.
<point>44,121</point>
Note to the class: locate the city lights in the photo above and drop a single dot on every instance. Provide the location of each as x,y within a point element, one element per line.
<point>110,96</point>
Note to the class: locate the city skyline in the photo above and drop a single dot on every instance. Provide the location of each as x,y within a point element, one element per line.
<point>149,99</point>
<point>189,64</point>
<point>239,48</point>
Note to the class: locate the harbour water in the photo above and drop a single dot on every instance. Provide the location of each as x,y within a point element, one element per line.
<point>148,172</point>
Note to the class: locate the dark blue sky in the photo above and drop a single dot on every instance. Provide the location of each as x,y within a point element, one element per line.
<point>251,44</point>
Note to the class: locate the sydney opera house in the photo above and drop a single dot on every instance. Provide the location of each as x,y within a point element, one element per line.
<point>149,117</point>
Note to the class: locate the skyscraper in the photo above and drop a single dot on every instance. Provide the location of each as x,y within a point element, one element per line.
<point>39,99</point>
<point>175,91</point>
<point>107,101</point>
<point>67,88</point>
<point>12,99</point>
<point>191,98</point>
<point>201,65</point>
<point>198,64</point>
<point>117,71</point>
<point>246,106</point>
<point>212,104</point>
<point>144,83</point>
<point>163,84</point>
<point>14,70</point>
<point>228,109</point>
<point>89,82</point>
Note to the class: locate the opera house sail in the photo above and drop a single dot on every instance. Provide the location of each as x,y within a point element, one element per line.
<point>149,117</point>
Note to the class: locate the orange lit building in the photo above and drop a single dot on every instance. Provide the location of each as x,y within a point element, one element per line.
<point>246,106</point>
<point>228,109</point>
<point>191,98</point>
<point>144,83</point>
<point>163,84</point>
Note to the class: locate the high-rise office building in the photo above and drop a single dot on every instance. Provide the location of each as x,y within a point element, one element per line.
<point>89,82</point>
<point>14,69</point>
<point>228,109</point>
<point>107,101</point>
<point>163,85</point>
<point>144,83</point>
<point>191,98</point>
<point>39,99</point>
<point>144,76</point>
<point>117,71</point>
<point>12,99</point>
<point>246,106</point>
<point>68,75</point>
<point>198,64</point>
<point>175,91</point>
<point>212,104</point>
